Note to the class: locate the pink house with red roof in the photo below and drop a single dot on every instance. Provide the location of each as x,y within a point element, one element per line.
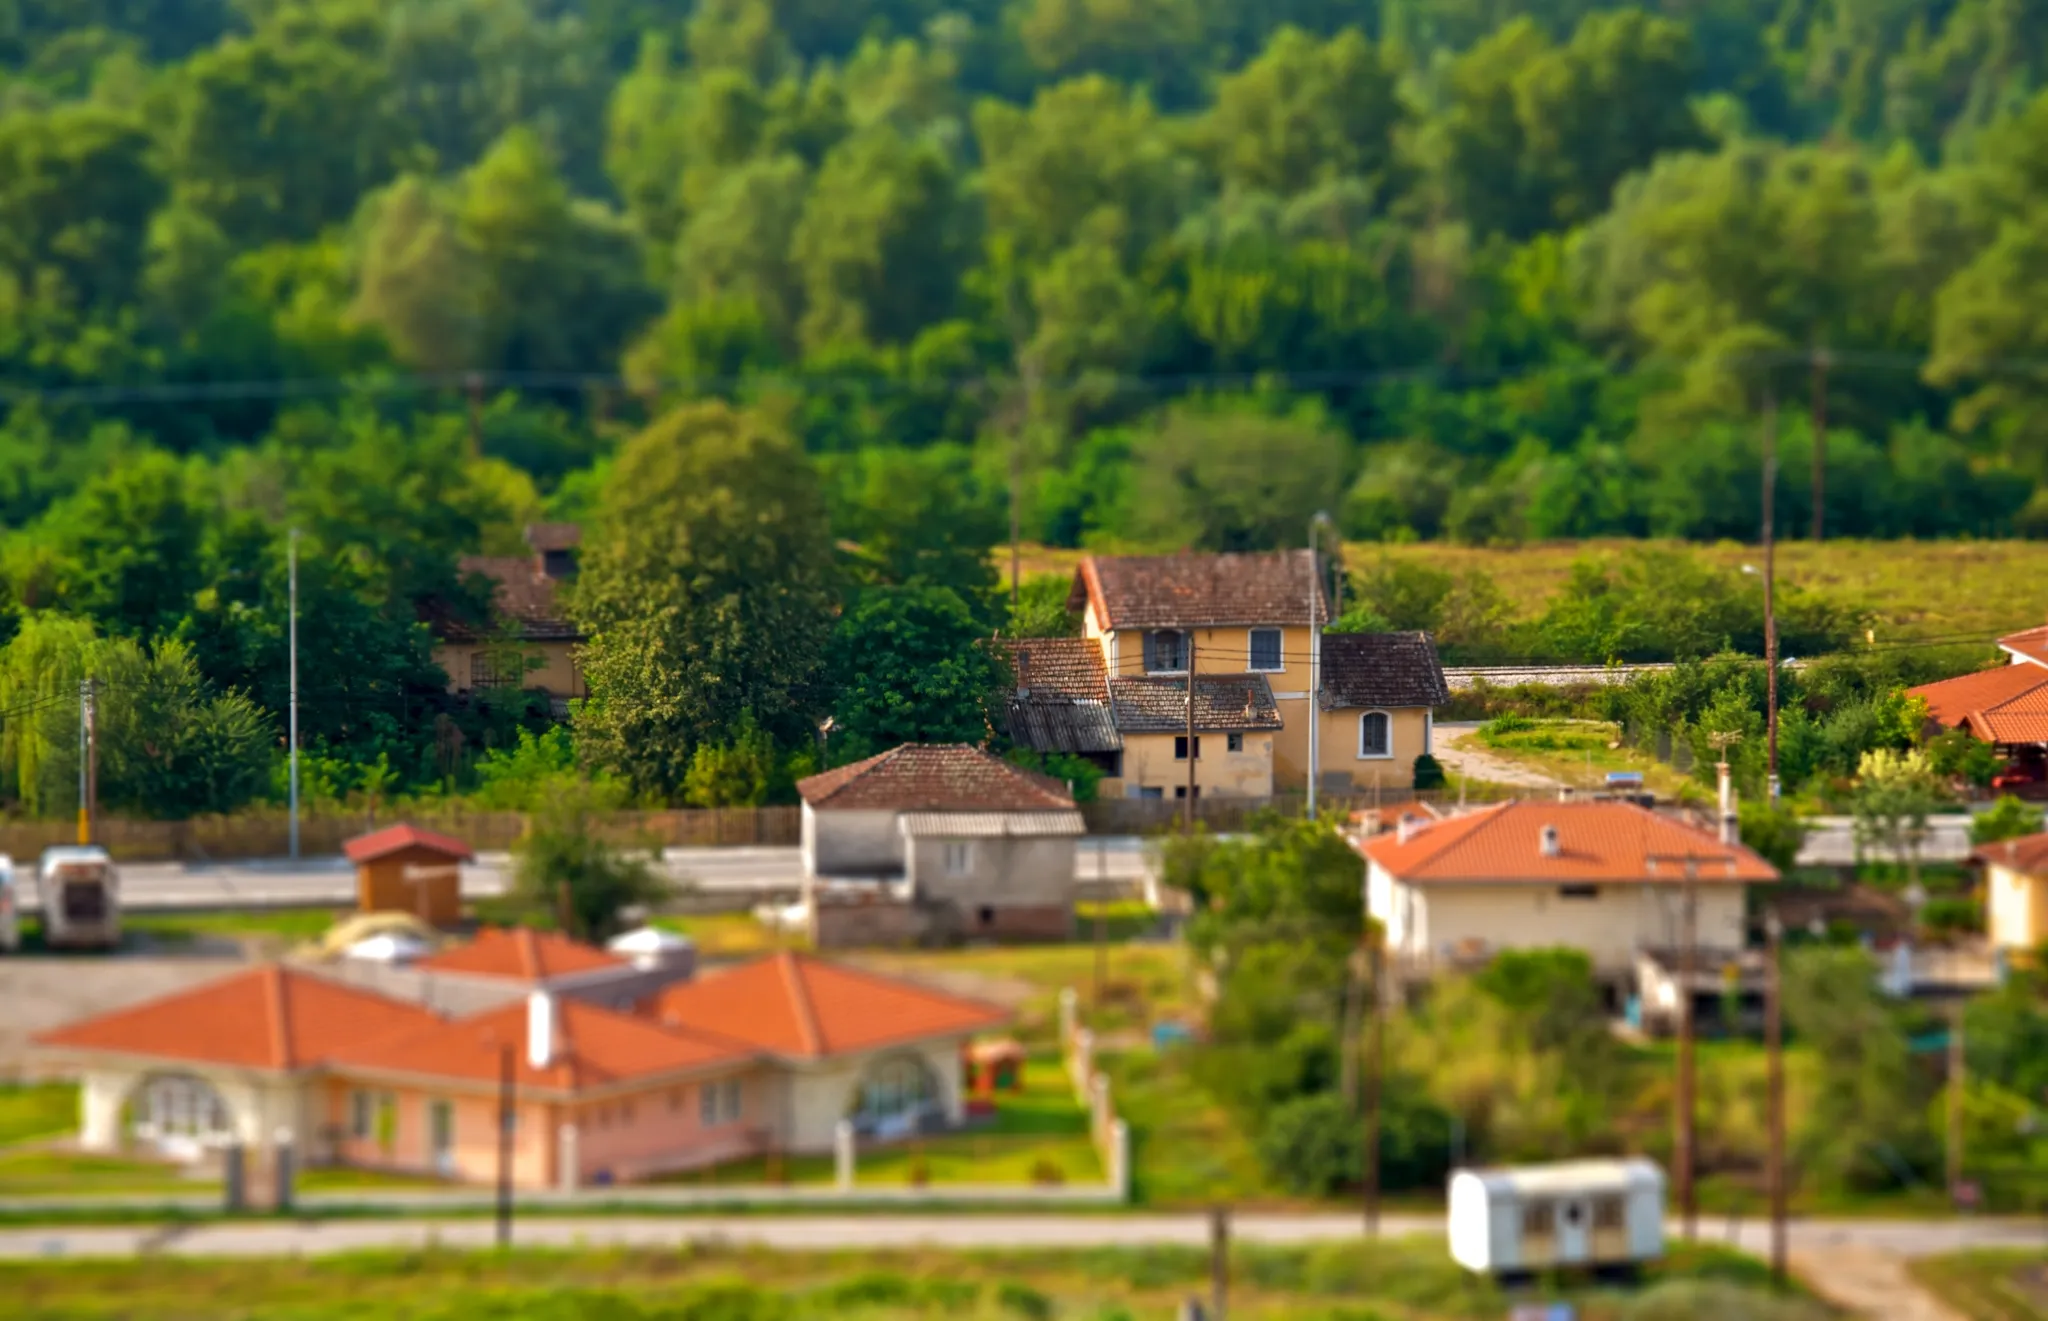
<point>767,1057</point>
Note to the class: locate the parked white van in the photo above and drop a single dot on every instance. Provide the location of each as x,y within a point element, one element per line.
<point>81,896</point>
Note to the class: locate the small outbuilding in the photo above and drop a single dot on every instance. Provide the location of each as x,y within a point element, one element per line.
<point>406,869</point>
<point>1531,1218</point>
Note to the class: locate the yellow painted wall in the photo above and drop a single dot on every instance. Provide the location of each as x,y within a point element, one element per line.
<point>2016,908</point>
<point>1219,773</point>
<point>557,676</point>
<point>1338,753</point>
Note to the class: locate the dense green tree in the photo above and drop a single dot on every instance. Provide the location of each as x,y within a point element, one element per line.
<point>908,665</point>
<point>706,589</point>
<point>1307,112</point>
<point>77,188</point>
<point>1231,477</point>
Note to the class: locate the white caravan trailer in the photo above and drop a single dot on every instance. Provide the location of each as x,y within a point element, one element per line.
<point>81,895</point>
<point>1532,1218</point>
<point>10,907</point>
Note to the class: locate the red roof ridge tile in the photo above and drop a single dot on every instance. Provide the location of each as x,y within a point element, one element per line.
<point>800,995</point>
<point>276,999</point>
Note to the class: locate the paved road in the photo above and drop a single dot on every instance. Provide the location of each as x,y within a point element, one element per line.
<point>743,872</point>
<point>1889,1238</point>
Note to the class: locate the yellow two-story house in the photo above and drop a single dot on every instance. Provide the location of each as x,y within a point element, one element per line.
<point>531,644</point>
<point>1250,628</point>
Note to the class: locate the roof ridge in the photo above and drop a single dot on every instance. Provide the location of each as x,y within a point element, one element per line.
<point>1472,820</point>
<point>278,1002</point>
<point>906,985</point>
<point>799,993</point>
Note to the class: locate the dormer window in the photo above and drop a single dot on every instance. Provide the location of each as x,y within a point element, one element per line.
<point>558,564</point>
<point>1166,651</point>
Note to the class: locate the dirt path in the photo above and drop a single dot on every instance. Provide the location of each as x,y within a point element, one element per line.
<point>1457,747</point>
<point>1869,1283</point>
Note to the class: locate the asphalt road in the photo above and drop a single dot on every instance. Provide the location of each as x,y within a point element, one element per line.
<point>1896,1239</point>
<point>311,882</point>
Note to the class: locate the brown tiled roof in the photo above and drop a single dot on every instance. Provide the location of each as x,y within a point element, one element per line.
<point>522,954</point>
<point>933,777</point>
<point>793,1005</point>
<point>378,843</point>
<point>1381,669</point>
<point>265,1018</point>
<point>2027,855</point>
<point>1598,842</point>
<point>522,596</point>
<point>2008,704</point>
<point>545,537</point>
<point>593,1047</point>
<point>1059,667</point>
<point>1159,705</point>
<point>1199,591</point>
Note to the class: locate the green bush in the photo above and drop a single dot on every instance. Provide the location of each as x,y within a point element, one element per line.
<point>1429,773</point>
<point>1023,1300</point>
<point>2009,818</point>
<point>1952,914</point>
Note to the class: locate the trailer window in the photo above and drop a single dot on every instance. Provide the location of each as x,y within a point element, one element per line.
<point>1608,1213</point>
<point>1539,1220</point>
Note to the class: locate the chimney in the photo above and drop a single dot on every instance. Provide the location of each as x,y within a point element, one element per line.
<point>1551,847</point>
<point>1405,828</point>
<point>540,1030</point>
<point>1731,828</point>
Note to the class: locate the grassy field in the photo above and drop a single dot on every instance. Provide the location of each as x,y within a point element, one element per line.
<point>41,1172</point>
<point>1914,589</point>
<point>1989,1285</point>
<point>36,1110</point>
<point>272,929</point>
<point>1393,1281</point>
<point>1578,752</point>
<point>1144,983</point>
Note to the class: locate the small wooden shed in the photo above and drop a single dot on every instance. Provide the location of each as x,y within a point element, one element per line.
<point>1532,1218</point>
<point>406,869</point>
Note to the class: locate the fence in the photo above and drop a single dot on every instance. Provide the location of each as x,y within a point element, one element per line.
<point>1111,1135</point>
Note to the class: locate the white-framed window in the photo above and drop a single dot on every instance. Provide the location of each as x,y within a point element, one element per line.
<point>1233,743</point>
<point>1375,735</point>
<point>732,1101</point>
<point>1264,648</point>
<point>1166,651</point>
<point>361,1115</point>
<point>707,1105</point>
<point>959,859</point>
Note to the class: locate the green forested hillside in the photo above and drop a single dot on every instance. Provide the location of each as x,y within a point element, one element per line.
<point>406,275</point>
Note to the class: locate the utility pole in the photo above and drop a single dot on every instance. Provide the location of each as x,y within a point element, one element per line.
<point>1820,441</point>
<point>292,646</point>
<point>506,1122</point>
<point>1187,819</point>
<point>1016,514</point>
<point>86,759</point>
<point>1682,1153</point>
<point>1774,1062</point>
<point>1375,1052</point>
<point>1219,1262</point>
<point>1315,656</point>
<point>1771,588</point>
<point>1956,1079</point>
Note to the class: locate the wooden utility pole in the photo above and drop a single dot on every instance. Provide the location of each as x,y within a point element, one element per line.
<point>1101,921</point>
<point>1016,512</point>
<point>1219,1262</point>
<point>92,760</point>
<point>1774,1063</point>
<point>1771,588</point>
<point>505,1126</point>
<point>1188,807</point>
<point>1956,1080</point>
<point>1682,1146</point>
<point>1820,442</point>
<point>1375,1051</point>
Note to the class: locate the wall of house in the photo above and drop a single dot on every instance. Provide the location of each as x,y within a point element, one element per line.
<point>2014,908</point>
<point>629,1137</point>
<point>260,1105</point>
<point>851,843</point>
<point>474,1151</point>
<point>1036,870</point>
<point>1423,922</point>
<point>817,1095</point>
<point>1343,770</point>
<point>557,673</point>
<point>874,917</point>
<point>1149,763</point>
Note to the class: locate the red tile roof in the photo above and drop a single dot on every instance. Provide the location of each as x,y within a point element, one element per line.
<point>2008,704</point>
<point>593,1047</point>
<point>522,595</point>
<point>795,1006</point>
<point>2031,643</point>
<point>265,1018</point>
<point>1060,667</point>
<point>521,953</point>
<point>2027,854</point>
<point>1597,842</point>
<point>933,777</point>
<point>1199,591</point>
<point>378,843</point>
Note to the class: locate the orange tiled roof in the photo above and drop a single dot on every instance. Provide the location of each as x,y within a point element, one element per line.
<point>522,953</point>
<point>364,848</point>
<point>2030,643</point>
<point>265,1018</point>
<point>791,1005</point>
<point>1597,842</point>
<point>2008,704</point>
<point>594,1047</point>
<point>934,777</point>
<point>2027,854</point>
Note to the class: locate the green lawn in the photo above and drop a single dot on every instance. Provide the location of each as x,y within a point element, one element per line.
<point>41,1172</point>
<point>1989,1285</point>
<point>276,927</point>
<point>1577,752</point>
<point>1356,1281</point>
<point>1186,1150</point>
<point>37,1110</point>
<point>729,935</point>
<point>1144,983</point>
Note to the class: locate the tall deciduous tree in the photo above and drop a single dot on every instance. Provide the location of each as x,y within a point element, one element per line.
<point>706,589</point>
<point>909,666</point>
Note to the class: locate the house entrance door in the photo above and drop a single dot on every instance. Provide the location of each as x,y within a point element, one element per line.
<point>441,1134</point>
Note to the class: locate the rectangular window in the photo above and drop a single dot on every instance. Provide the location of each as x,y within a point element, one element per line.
<point>1150,791</point>
<point>1539,1220</point>
<point>360,1120</point>
<point>1578,892</point>
<point>1607,1213</point>
<point>1180,747</point>
<point>387,1120</point>
<point>732,1102</point>
<point>959,857</point>
<point>1181,791</point>
<point>496,669</point>
<point>1166,651</point>
<point>1234,743</point>
<point>1265,650</point>
<point>707,1105</point>
<point>1375,735</point>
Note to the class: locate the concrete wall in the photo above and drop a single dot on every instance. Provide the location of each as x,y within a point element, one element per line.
<point>851,843</point>
<point>460,995</point>
<point>1149,763</point>
<point>557,675</point>
<point>2013,908</point>
<point>817,1096</point>
<point>1035,870</point>
<point>1423,922</point>
<point>260,1105</point>
<point>1337,755</point>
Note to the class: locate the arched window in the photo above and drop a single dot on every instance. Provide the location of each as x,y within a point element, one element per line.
<point>1375,734</point>
<point>181,1114</point>
<point>895,1095</point>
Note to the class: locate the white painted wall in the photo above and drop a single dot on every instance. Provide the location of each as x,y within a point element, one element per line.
<point>2010,911</point>
<point>1033,870</point>
<point>818,1096</point>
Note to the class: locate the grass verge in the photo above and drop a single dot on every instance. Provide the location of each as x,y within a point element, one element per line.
<point>2000,1284</point>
